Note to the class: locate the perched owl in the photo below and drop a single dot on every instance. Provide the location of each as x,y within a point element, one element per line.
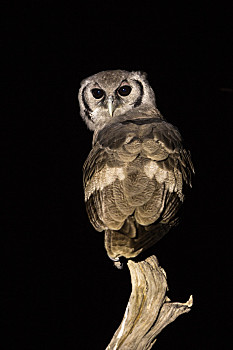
<point>135,174</point>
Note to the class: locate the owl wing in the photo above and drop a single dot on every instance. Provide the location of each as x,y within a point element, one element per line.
<point>136,167</point>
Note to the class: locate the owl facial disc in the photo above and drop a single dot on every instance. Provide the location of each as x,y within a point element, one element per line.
<point>109,94</point>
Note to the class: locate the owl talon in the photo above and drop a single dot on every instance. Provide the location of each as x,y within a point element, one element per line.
<point>117,263</point>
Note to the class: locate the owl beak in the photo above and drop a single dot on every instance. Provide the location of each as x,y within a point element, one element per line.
<point>110,105</point>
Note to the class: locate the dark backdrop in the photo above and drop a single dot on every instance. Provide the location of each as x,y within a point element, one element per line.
<point>60,291</point>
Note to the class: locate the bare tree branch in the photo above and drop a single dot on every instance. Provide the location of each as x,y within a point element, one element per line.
<point>149,310</point>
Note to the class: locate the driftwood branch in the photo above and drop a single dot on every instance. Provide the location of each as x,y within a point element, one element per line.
<point>149,310</point>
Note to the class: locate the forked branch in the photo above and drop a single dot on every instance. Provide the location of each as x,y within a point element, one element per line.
<point>149,310</point>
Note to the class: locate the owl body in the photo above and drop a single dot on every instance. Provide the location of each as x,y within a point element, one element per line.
<point>137,170</point>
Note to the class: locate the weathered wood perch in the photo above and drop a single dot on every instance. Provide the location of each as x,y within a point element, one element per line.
<point>149,310</point>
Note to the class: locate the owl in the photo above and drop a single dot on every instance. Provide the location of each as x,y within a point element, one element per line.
<point>137,171</point>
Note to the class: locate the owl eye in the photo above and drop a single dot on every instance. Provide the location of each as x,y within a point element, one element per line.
<point>124,90</point>
<point>97,93</point>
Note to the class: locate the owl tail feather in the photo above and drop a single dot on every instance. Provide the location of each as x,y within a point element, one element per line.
<point>118,244</point>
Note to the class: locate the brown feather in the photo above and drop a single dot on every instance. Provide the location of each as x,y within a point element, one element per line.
<point>134,182</point>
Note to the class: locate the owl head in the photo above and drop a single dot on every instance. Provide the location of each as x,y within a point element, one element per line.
<point>111,93</point>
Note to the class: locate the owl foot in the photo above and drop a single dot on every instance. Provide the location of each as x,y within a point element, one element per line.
<point>117,263</point>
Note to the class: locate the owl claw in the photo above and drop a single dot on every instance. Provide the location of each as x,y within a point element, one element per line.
<point>117,263</point>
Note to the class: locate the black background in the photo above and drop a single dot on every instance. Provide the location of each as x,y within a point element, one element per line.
<point>59,289</point>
